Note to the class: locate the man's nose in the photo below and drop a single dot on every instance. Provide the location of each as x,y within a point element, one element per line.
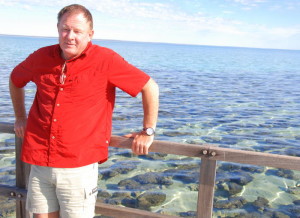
<point>71,34</point>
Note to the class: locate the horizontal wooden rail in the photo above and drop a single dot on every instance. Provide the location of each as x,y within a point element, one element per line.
<point>204,151</point>
<point>216,153</point>
<point>118,211</point>
<point>6,128</point>
<point>13,192</point>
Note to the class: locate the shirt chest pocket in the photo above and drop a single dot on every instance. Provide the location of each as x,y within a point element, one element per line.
<point>46,81</point>
<point>86,85</point>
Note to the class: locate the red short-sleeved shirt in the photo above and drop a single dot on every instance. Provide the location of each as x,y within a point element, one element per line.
<point>70,125</point>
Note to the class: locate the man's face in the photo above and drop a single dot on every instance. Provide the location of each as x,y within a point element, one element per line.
<point>74,34</point>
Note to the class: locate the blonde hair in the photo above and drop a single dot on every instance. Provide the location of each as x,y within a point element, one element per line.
<point>75,8</point>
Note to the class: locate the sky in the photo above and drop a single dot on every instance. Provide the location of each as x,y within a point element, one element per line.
<point>241,23</point>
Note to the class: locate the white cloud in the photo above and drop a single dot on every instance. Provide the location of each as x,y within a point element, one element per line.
<point>140,20</point>
<point>280,32</point>
<point>251,3</point>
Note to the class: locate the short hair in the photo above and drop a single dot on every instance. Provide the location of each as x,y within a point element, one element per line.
<point>76,8</point>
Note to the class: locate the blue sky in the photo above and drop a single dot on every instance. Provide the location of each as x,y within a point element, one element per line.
<point>242,23</point>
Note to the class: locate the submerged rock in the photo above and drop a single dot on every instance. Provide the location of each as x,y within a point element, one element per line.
<point>103,194</point>
<point>296,202</point>
<point>150,199</point>
<point>176,133</point>
<point>191,214</point>
<point>8,207</point>
<point>186,173</point>
<point>129,202</point>
<point>292,152</point>
<point>231,203</point>
<point>231,188</point>
<point>236,176</point>
<point>288,174</point>
<point>153,178</point>
<point>249,215</point>
<point>121,195</point>
<point>261,203</point>
<point>129,184</point>
<point>231,167</point>
<point>293,190</point>
<point>229,184</point>
<point>145,181</point>
<point>154,156</point>
<point>187,176</point>
<point>122,167</point>
<point>193,187</point>
<point>295,210</point>
<point>145,200</point>
<point>279,215</point>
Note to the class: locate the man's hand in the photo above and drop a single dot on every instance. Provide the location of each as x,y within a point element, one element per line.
<point>141,142</point>
<point>20,126</point>
<point>18,100</point>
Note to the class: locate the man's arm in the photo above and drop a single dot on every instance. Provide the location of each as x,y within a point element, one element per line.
<point>150,96</point>
<point>18,99</point>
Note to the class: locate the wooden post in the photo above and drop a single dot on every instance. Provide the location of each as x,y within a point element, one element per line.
<point>206,188</point>
<point>22,175</point>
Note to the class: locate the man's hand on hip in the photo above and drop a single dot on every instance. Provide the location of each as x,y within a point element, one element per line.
<point>20,126</point>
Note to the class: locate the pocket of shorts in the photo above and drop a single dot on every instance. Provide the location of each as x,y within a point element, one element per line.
<point>91,192</point>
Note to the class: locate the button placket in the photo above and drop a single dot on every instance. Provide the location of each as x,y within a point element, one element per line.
<point>54,125</point>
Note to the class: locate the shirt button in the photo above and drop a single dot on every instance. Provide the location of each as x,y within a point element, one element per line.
<point>57,105</point>
<point>61,89</point>
<point>53,137</point>
<point>55,120</point>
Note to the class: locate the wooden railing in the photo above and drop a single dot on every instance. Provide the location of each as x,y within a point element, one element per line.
<point>209,155</point>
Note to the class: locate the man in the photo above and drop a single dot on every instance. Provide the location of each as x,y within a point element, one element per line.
<point>69,124</point>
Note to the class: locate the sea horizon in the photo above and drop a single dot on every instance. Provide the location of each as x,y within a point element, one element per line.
<point>170,43</point>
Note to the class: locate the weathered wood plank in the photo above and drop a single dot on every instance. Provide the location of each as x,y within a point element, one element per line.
<point>22,169</point>
<point>7,128</point>
<point>22,175</point>
<point>206,188</point>
<point>220,154</point>
<point>120,212</point>
<point>13,192</point>
<point>256,158</point>
<point>191,150</point>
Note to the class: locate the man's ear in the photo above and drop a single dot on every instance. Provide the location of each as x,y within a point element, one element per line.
<point>91,34</point>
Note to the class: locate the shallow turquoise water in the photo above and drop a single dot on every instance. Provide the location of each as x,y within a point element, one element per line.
<point>234,97</point>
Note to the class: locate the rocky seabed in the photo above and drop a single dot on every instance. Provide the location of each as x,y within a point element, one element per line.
<point>168,184</point>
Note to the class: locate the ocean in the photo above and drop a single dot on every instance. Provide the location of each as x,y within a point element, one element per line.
<point>241,98</point>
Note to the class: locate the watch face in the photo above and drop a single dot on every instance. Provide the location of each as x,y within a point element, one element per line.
<point>149,131</point>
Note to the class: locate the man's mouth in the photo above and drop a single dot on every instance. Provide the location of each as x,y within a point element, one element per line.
<point>69,44</point>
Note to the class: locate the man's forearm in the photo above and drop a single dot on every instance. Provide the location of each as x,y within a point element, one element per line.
<point>18,100</point>
<point>150,94</point>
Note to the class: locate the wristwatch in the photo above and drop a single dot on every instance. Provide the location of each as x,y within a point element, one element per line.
<point>148,131</point>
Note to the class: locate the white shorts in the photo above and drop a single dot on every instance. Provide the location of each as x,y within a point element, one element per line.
<point>72,191</point>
